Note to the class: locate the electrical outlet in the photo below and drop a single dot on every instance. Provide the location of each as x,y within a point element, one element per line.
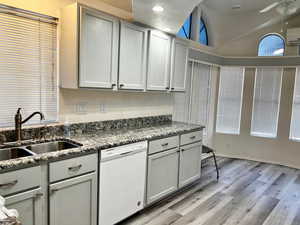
<point>81,108</point>
<point>102,108</point>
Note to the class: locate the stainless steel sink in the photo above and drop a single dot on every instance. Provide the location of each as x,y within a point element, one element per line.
<point>51,147</point>
<point>14,153</point>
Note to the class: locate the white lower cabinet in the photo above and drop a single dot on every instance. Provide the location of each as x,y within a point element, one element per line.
<point>74,201</point>
<point>162,174</point>
<point>190,163</point>
<point>29,205</point>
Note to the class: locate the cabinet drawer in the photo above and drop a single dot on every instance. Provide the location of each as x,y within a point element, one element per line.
<point>20,180</point>
<point>72,167</point>
<point>190,137</point>
<point>163,144</point>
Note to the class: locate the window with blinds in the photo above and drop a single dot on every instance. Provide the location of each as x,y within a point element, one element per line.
<point>28,77</point>
<point>295,122</point>
<point>266,102</point>
<point>200,95</point>
<point>230,100</point>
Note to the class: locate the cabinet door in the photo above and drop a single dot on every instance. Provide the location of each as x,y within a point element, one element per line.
<point>98,50</point>
<point>162,174</point>
<point>132,61</point>
<point>29,205</point>
<point>74,201</point>
<point>179,65</point>
<point>190,163</point>
<point>158,76</point>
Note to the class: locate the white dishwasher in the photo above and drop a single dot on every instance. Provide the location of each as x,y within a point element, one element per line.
<point>122,182</point>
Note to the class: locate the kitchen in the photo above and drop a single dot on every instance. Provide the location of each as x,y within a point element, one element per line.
<point>110,108</point>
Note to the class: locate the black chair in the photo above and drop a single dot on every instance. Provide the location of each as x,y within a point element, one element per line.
<point>210,152</point>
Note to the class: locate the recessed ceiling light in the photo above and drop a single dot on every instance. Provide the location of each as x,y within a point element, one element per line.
<point>167,29</point>
<point>158,8</point>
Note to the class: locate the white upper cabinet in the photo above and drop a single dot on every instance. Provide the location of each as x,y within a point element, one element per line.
<point>179,60</point>
<point>88,48</point>
<point>98,50</point>
<point>132,58</point>
<point>158,75</point>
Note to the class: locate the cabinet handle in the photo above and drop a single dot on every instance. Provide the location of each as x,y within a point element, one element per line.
<point>164,145</point>
<point>167,88</point>
<point>113,85</point>
<point>75,168</point>
<point>121,85</point>
<point>9,185</point>
<point>193,137</point>
<point>53,191</point>
<point>172,88</point>
<point>38,195</point>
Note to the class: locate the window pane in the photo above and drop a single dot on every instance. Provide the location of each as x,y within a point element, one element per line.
<point>295,123</point>
<point>230,100</point>
<point>203,33</point>
<point>271,45</point>
<point>185,30</point>
<point>266,102</point>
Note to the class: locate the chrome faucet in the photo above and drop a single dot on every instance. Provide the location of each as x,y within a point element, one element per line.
<point>19,122</point>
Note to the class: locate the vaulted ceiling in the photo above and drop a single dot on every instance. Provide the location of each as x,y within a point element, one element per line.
<point>228,21</point>
<point>174,14</point>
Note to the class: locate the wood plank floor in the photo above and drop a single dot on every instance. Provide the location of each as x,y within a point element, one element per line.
<point>248,193</point>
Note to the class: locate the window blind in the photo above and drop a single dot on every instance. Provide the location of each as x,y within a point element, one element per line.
<point>266,102</point>
<point>200,95</point>
<point>295,122</point>
<point>28,77</point>
<point>230,100</point>
<point>182,99</point>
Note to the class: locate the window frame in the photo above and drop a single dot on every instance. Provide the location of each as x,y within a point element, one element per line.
<point>297,72</point>
<point>206,33</point>
<point>27,17</point>
<point>279,104</point>
<point>272,34</point>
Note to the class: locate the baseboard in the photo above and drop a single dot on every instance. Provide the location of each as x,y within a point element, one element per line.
<point>258,160</point>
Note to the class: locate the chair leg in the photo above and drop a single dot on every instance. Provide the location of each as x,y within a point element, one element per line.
<point>216,165</point>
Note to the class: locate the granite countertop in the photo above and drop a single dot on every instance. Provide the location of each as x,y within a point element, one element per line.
<point>92,142</point>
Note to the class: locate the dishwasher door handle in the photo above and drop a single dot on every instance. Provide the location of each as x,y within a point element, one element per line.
<point>126,153</point>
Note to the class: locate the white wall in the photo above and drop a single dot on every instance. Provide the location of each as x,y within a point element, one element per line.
<point>279,150</point>
<point>52,7</point>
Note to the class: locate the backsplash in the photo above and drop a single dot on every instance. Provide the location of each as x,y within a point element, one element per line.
<point>93,105</point>
<point>50,131</point>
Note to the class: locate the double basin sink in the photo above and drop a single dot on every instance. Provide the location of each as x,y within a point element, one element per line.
<point>14,152</point>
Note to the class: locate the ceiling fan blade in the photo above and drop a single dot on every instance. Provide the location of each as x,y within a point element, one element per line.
<point>270,7</point>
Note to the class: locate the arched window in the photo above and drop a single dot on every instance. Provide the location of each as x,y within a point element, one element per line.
<point>271,45</point>
<point>185,31</point>
<point>203,38</point>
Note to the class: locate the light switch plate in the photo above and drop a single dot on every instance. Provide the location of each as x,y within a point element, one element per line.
<point>102,108</point>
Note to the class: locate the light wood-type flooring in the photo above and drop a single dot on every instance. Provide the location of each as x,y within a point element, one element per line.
<point>248,193</point>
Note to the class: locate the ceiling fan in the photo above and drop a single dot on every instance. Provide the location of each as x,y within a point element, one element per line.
<point>284,7</point>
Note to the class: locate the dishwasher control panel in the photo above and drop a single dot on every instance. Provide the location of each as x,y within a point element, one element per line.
<point>123,150</point>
